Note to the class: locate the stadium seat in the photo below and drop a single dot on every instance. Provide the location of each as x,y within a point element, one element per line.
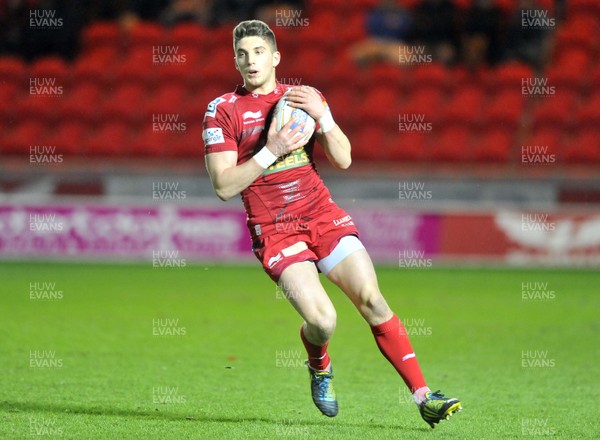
<point>509,77</point>
<point>82,103</point>
<point>494,145</point>
<point>452,144</point>
<point>26,133</point>
<point>432,75</point>
<point>425,102</point>
<point>465,106</point>
<point>353,30</point>
<point>136,69</point>
<point>342,104</point>
<point>67,137</point>
<point>379,105</point>
<point>101,35</point>
<point>555,110</point>
<point>169,99</point>
<point>505,108</point>
<point>110,139</point>
<point>190,37</point>
<point>585,7</point>
<point>583,147</point>
<point>146,35</point>
<point>547,137</point>
<point>13,71</point>
<point>187,144</point>
<point>588,114</point>
<point>51,67</point>
<point>96,70</point>
<point>149,143</point>
<point>368,143</point>
<point>9,93</point>
<point>305,68</point>
<point>42,108</point>
<point>408,146</point>
<point>125,104</point>
<point>569,71</point>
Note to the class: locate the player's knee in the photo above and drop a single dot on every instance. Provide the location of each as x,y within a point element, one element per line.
<point>324,322</point>
<point>372,301</point>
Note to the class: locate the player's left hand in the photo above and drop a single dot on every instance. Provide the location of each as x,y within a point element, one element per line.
<point>307,99</point>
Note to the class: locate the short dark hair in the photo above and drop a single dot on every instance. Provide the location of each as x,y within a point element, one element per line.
<point>254,28</point>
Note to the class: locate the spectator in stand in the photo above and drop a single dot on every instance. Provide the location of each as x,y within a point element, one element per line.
<point>388,26</point>
<point>528,43</point>
<point>481,34</point>
<point>191,11</point>
<point>435,27</point>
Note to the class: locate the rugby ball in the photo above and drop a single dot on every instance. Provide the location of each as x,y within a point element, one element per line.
<point>284,111</point>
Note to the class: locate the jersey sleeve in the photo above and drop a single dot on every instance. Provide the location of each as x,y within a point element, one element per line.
<point>218,131</point>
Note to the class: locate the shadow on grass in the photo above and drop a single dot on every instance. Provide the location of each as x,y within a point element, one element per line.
<point>65,408</point>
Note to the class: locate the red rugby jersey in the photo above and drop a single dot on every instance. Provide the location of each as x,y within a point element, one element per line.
<point>290,189</point>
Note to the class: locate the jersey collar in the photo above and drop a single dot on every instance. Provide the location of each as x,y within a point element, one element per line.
<point>277,92</point>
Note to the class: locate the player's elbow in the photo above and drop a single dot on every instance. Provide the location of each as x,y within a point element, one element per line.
<point>223,194</point>
<point>345,164</point>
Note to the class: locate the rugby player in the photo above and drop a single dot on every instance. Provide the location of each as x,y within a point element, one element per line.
<point>297,230</point>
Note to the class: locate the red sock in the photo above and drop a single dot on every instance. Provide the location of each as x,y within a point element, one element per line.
<point>317,355</point>
<point>394,344</point>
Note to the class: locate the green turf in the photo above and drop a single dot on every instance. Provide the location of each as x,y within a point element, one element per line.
<point>235,370</point>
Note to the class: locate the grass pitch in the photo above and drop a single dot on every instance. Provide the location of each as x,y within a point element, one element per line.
<point>212,352</point>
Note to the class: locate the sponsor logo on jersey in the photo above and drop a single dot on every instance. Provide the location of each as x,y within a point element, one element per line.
<point>252,117</point>
<point>213,136</point>
<point>295,159</point>
<point>211,110</point>
<point>344,221</point>
<point>274,260</point>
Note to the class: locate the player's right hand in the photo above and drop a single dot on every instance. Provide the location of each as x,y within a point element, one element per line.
<point>285,140</point>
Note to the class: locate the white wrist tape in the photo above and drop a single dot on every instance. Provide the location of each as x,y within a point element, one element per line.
<point>265,158</point>
<point>326,122</point>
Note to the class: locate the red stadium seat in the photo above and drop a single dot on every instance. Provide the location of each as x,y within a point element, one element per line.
<point>505,108</point>
<point>305,68</point>
<point>433,75</point>
<point>547,137</point>
<point>342,104</point>
<point>147,35</point>
<point>510,77</point>
<point>169,99</point>
<point>493,146</point>
<point>353,29</point>
<point>190,37</point>
<point>451,145</point>
<point>24,135</point>
<point>125,104</point>
<point>67,137</point>
<point>588,114</point>
<point>569,72</point>
<point>586,7</point>
<point>187,144</point>
<point>91,70</point>
<point>101,34</point>
<point>380,105</point>
<point>8,93</point>
<point>136,69</point>
<point>43,108</point>
<point>424,103</point>
<point>584,147</point>
<point>13,71</point>
<point>368,143</point>
<point>464,107</point>
<point>408,146</point>
<point>111,139</point>
<point>82,104</point>
<point>148,142</point>
<point>51,67</point>
<point>556,110</point>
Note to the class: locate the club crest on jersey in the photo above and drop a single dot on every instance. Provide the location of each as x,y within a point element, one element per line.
<point>211,110</point>
<point>213,136</point>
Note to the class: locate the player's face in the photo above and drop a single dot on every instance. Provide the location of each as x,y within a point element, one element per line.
<point>256,62</point>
